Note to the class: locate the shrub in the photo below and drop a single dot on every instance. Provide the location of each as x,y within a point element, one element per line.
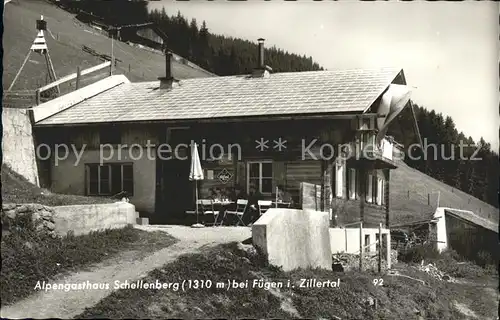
<point>484,258</point>
<point>418,253</point>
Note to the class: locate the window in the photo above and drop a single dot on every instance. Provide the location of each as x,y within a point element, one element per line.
<point>260,174</point>
<point>109,179</point>
<point>110,135</point>
<point>375,188</point>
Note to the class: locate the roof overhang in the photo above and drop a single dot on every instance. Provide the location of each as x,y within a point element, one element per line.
<point>59,104</point>
<point>329,116</point>
<point>477,221</point>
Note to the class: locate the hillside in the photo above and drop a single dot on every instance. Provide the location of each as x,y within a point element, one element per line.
<point>65,39</point>
<point>409,191</point>
<point>16,189</point>
<point>405,293</point>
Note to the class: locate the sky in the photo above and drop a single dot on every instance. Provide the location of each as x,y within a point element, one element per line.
<point>449,50</point>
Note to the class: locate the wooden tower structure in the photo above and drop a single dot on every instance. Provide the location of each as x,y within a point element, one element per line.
<point>39,46</point>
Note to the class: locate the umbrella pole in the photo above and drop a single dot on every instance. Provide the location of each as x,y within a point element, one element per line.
<point>276,203</point>
<point>196,202</point>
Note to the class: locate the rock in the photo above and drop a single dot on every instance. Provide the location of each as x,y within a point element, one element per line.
<point>49,225</point>
<point>446,277</point>
<point>35,216</point>
<point>54,235</point>
<point>248,250</point>
<point>8,206</point>
<point>46,214</point>
<point>37,207</point>
<point>22,209</point>
<point>11,214</point>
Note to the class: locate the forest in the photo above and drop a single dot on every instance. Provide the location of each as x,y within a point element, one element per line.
<point>474,170</point>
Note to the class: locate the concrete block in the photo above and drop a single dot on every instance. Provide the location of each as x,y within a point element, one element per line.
<point>82,219</point>
<point>293,238</point>
<point>142,221</point>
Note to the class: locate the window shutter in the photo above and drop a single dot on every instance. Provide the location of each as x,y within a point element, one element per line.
<point>369,192</point>
<point>339,179</point>
<point>379,191</point>
<point>352,183</point>
<point>279,174</point>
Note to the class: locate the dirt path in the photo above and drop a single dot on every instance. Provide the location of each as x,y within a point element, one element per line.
<point>61,304</point>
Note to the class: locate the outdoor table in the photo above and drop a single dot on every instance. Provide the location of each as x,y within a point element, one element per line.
<point>280,204</point>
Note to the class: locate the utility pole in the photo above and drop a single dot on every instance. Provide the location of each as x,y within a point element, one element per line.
<point>112,55</point>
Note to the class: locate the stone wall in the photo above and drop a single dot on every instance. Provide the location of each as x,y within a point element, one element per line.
<point>77,219</point>
<point>41,216</point>
<point>17,143</point>
<point>294,239</point>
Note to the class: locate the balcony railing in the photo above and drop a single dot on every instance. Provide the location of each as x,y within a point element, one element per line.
<point>366,147</point>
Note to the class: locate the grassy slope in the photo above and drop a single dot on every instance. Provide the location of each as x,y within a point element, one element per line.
<point>69,35</point>
<point>28,257</point>
<point>404,209</point>
<point>398,298</point>
<point>16,189</point>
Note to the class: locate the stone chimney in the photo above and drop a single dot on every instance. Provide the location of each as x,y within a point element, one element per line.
<point>168,81</point>
<point>262,71</point>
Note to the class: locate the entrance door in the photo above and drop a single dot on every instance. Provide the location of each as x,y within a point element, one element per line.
<point>177,189</point>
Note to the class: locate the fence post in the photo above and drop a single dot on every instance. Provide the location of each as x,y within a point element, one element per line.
<point>428,199</point>
<point>388,249</point>
<point>380,248</point>
<point>408,194</point>
<point>78,76</point>
<point>37,98</point>
<point>361,246</point>
<point>345,239</point>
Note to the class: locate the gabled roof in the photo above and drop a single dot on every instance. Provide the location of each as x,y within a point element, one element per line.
<point>294,93</point>
<point>472,218</point>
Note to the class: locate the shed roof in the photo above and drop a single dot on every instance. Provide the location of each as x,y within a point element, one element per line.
<point>473,218</point>
<point>293,93</point>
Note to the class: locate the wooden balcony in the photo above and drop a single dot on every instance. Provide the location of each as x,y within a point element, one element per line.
<point>367,153</point>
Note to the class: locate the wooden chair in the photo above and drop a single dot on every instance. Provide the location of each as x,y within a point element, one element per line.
<point>207,208</point>
<point>264,205</point>
<point>241,208</point>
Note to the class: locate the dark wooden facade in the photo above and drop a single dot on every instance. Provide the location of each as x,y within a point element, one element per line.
<point>236,143</point>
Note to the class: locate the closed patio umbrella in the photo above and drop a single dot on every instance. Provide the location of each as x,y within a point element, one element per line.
<point>196,174</point>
